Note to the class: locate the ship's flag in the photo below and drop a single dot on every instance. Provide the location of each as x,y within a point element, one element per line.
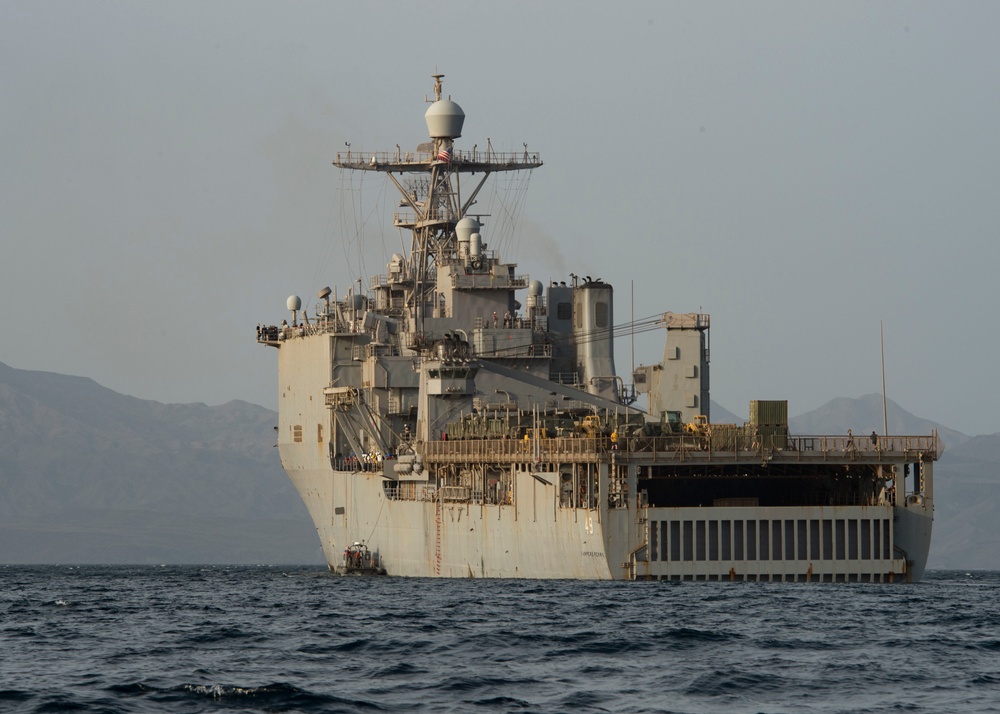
<point>445,154</point>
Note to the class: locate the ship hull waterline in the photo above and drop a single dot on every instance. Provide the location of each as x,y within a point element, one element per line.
<point>540,539</point>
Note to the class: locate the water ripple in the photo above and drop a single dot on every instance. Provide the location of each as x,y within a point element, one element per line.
<point>138,640</point>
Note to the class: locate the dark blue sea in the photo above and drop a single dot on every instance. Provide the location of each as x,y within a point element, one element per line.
<point>271,639</point>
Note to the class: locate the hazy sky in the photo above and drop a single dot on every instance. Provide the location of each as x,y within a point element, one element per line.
<point>800,171</point>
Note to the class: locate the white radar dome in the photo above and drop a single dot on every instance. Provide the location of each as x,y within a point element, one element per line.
<point>465,228</point>
<point>444,119</point>
<point>535,288</point>
<point>294,302</point>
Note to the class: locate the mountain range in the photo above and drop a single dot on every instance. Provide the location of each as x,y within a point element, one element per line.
<point>88,475</point>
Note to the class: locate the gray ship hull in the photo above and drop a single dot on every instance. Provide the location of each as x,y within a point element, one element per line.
<point>432,538</point>
<point>539,539</point>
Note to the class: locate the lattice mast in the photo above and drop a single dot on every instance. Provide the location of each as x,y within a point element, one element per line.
<point>432,191</point>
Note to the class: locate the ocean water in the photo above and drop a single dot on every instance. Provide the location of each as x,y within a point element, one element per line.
<point>271,639</point>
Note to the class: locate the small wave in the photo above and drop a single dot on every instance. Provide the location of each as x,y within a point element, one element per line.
<point>693,634</point>
<point>399,669</point>
<point>20,632</point>
<point>222,634</point>
<point>15,695</point>
<point>352,645</point>
<point>989,645</point>
<point>719,682</point>
<point>772,643</point>
<point>476,682</point>
<point>502,703</point>
<point>384,647</point>
<point>586,700</point>
<point>278,696</point>
<point>130,690</point>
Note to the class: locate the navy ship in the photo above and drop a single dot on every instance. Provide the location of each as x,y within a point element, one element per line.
<point>456,418</point>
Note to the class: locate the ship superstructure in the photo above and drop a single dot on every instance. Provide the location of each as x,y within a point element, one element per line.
<point>460,419</point>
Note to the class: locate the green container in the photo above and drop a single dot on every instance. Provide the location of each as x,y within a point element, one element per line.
<point>774,437</point>
<point>769,412</point>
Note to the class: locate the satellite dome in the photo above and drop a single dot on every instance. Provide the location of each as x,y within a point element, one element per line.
<point>294,302</point>
<point>535,288</point>
<point>444,119</point>
<point>465,228</point>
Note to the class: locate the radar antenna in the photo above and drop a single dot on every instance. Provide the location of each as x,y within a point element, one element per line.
<point>434,199</point>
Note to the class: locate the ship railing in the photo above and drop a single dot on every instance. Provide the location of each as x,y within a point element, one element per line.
<point>373,349</point>
<point>515,450</point>
<point>270,334</point>
<point>518,321</point>
<point>455,494</point>
<point>401,160</point>
<point>517,351</point>
<point>409,491</point>
<point>488,280</point>
<point>865,445</point>
<point>680,447</point>
<point>570,379</point>
<point>501,158</point>
<point>487,256</point>
<point>738,445</point>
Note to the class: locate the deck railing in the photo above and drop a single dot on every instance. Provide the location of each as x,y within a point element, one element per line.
<point>680,447</point>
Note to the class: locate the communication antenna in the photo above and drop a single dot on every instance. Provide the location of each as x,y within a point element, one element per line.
<point>885,415</point>
<point>633,326</point>
<point>294,304</point>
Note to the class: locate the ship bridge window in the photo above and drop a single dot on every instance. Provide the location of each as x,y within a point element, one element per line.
<point>601,314</point>
<point>564,311</point>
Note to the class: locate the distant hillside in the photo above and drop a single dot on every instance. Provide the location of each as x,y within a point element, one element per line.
<point>967,498</point>
<point>864,415</point>
<point>90,475</point>
<point>721,415</point>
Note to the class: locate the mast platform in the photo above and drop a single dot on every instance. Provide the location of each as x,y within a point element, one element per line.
<point>421,161</point>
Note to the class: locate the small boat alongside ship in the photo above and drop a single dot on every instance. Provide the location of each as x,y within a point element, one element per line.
<point>358,560</point>
<point>459,419</point>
